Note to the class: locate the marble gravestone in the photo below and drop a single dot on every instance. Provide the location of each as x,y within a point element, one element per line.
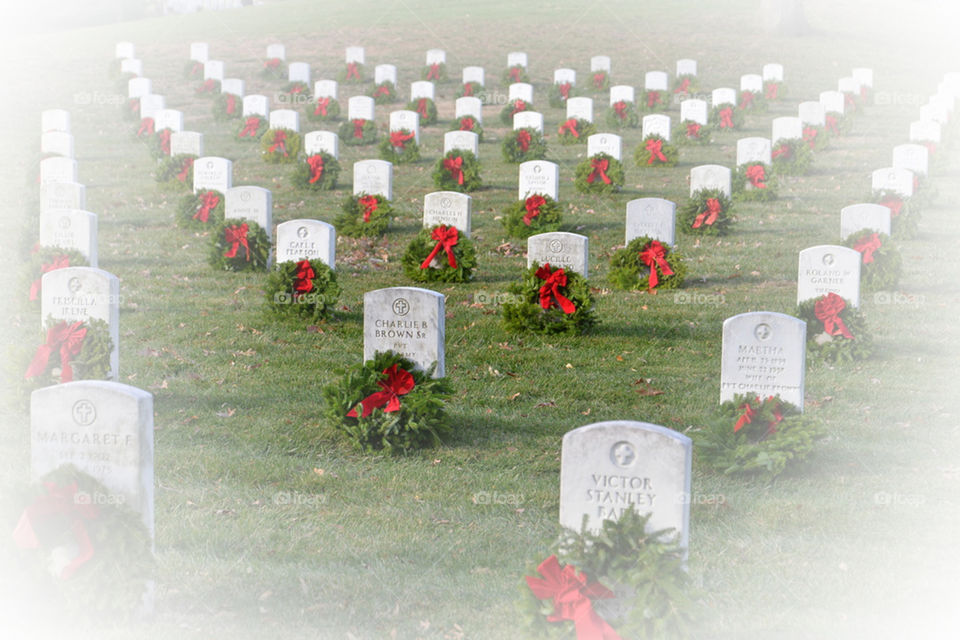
<point>123,50</point>
<point>139,87</point>
<point>472,74</point>
<point>622,93</point>
<point>465,140</point>
<point>724,95</point>
<point>580,108</point>
<point>58,169</point>
<point>608,143</point>
<point>565,76</point>
<point>234,86</point>
<point>470,106</point>
<point>448,207</point>
<point>520,91</point>
<point>285,119</point>
<point>827,269</point>
<point>104,429</point>
<point>560,249</point>
<point>752,82</point>
<point>832,102</point>
<point>436,56</point>
<point>772,72</point>
<point>250,203</point>
<point>422,89</point>
<point>786,128</point>
<point>538,176</point>
<point>925,131</point>
<point>186,143</point>
<point>686,67</point>
<point>405,119</point>
<point>325,89</point>
<point>54,120</point>
<point>168,119</point>
<point>600,63</point>
<point>316,142</point>
<point>856,217</point>
<point>132,65</point>
<point>763,353</point>
<point>863,76</point>
<point>607,468</point>
<point>812,113</point>
<point>199,51</point>
<point>373,177</point>
<point>655,81</point>
<point>694,110</point>
<point>750,150</point>
<point>62,195</point>
<point>408,321</point>
<point>360,108</point>
<point>57,143</point>
<point>517,58</point>
<point>70,229</point>
<point>256,105</point>
<point>656,124</point>
<point>214,70</point>
<point>652,217</point>
<point>354,54</point>
<point>528,120</point>
<point>913,157</point>
<point>299,72</point>
<point>212,172</point>
<point>899,181</point>
<point>277,51</point>
<point>310,239</point>
<point>710,176</point>
<point>385,73</point>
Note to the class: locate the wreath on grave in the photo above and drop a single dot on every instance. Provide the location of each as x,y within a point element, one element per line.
<point>903,219</point>
<point>469,89</point>
<point>193,70</point>
<point>522,145</point>
<point>559,93</point>
<point>131,109</point>
<point>654,100</point>
<point>239,245</point>
<point>468,123</point>
<point>272,69</point>
<point>707,212</point>
<point>146,129</point>
<point>881,262</point>
<point>435,72</point>
<point>691,132</point>
<point>400,147</point>
<point>623,581</point>
<point>511,109</point>
<point>280,146</point>
<point>227,106</point>
<point>322,109</point>
<point>357,132</point>
<point>837,124</point>
<point>516,73</point>
<point>752,101</point>
<point>851,103</point>
<point>600,80</point>
<point>386,404</point>
<point>295,93</point>
<point>686,84</point>
<point>252,128</point>
<point>427,109</point>
<point>318,172</point>
<point>71,351</point>
<point>532,215</point>
<point>159,144</point>
<point>457,170</point>
<point>201,209</point>
<point>622,115</point>
<point>364,215</point>
<point>575,131</point>
<point>656,152</point>
<point>600,173</point>
<point>175,171</point>
<point>774,90</point>
<point>384,93</point>
<point>754,181</point>
<point>305,288</point>
<point>791,157</point>
<point>93,553</point>
<point>352,73</point>
<point>727,117</point>
<point>45,259</point>
<point>440,254</point>
<point>751,435</point>
<point>815,137</point>
<point>647,264</point>
<point>209,87</point>
<point>836,330</point>
<point>549,301</point>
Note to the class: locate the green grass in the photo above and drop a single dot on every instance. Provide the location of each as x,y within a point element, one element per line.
<point>377,546</point>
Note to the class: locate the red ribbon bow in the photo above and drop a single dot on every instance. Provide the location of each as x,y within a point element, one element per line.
<point>146,127</point>
<point>399,382</point>
<point>467,88</point>
<point>523,140</point>
<point>810,136</point>
<point>867,245</point>
<point>569,126</point>
<point>772,89</point>
<point>653,97</point>
<point>163,137</point>
<point>894,203</point>
<point>515,73</point>
<point>352,71</point>
<point>693,129</point>
<point>709,216</point>
<point>532,206</point>
<point>68,339</point>
<point>250,127</point>
<point>654,255</point>
<point>322,105</point>
<point>134,104</point>
<point>783,149</point>
<point>315,163</point>
<point>358,127</point>
<point>746,417</point>
<point>231,104</point>
<point>571,593</point>
<point>382,90</point>
<point>726,118</point>
<point>655,147</point>
<point>564,90</point>
<point>279,142</point>
<point>832,125</point>
<point>599,166</point>
<point>447,238</point>
<point>369,204</point>
<point>208,85</point>
<point>60,261</point>
<point>185,169</point>
<point>236,235</point>
<point>620,108</point>
<point>599,78</point>
<point>827,310</point>
<point>684,86</point>
<point>60,510</point>
<point>399,139</point>
<point>434,72</point>
<point>518,106</point>
<point>422,107</point>
<point>467,123</point>
<point>746,99</point>
<point>208,201</point>
<point>303,279</point>
<point>550,291</point>
<point>756,174</point>
<point>748,414</point>
<point>453,165</point>
<point>272,63</point>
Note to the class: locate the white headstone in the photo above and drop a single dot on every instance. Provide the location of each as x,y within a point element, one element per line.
<point>233,86</point>
<point>786,128</point>
<point>254,204</point>
<point>694,111</point>
<point>773,72</point>
<point>935,112</point>
<point>199,51</point>
<point>62,195</point>
<point>404,119</point>
<point>622,93</point>
<point>863,76</point>
<point>124,50</point>
<point>565,76</point>
<point>131,65</point>
<point>832,101</point>
<point>406,320</point>
<point>540,177</point>
<point>360,108</point>
<point>473,74</point>
<point>422,89</point>
<point>276,51</point>
<point>724,95</point>
<point>213,70</point>
<point>448,207</point>
<point>469,106</point>
<point>652,217</point>
<point>848,85</point>
<point>763,353</point>
<point>212,172</point>
<point>855,217</point>
<point>925,131</point>
<point>656,81</point>
<point>310,239</point>
<point>750,150</point>
<point>657,124</point>
<point>70,229</point>
<point>686,67</point>
<point>316,142</point>
<point>169,119</point>
<point>58,143</point>
<point>528,120</point>
<point>58,169</point>
<point>298,72</point>
<point>436,56</point>
<point>914,157</point>
<point>560,249</point>
<point>600,63</point>
<point>138,87</point>
<point>710,176</point>
<point>186,142</point>
<point>385,73</point>
<point>515,58</point>
<point>325,89</point>
<point>285,119</point>
<point>891,179</point>
<point>827,269</point>
<point>150,104</point>
<point>520,91</point>
<point>608,143</point>
<point>355,54</point>
<point>465,140</point>
<point>373,177</point>
<point>256,105</point>
<point>812,113</point>
<point>580,108</point>
<point>751,82</point>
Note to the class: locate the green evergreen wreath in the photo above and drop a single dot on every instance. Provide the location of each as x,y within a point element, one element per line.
<point>468,123</point>
<point>516,73</point>
<point>252,128</point>
<point>777,435</point>
<point>280,146</point>
<point>420,421</point>
<point>193,70</point>
<point>903,216</point>
<point>44,259</point>
<point>882,273</point>
<point>518,222</point>
<point>439,269</point>
<point>91,363</point>
<point>427,109</point>
<point>159,143</point>
<point>791,157</point>
<point>469,89</point>
<point>743,188</point>
<point>622,115</point>
<point>350,221</point>
<point>690,132</point>
<point>599,80</point>
<point>774,90</point>
<point>350,128</point>
<point>272,69</point>
<point>751,101</point>
<point>645,157</point>
<point>653,595</point>
<point>727,117</point>
<point>524,312</point>
<point>468,178</point>
<point>436,72</point>
<point>405,152</point>
<point>384,93</point>
<point>175,171</point>
<point>836,348</point>
<point>512,108</point>
<point>575,131</point>
<point>323,109</point>
<point>556,97</point>
<point>686,84</point>
<point>306,289</point>
<point>837,123</point>
<point>209,88</point>
<point>295,92</point>
<point>112,582</point>
<point>816,138</point>
<point>200,210</point>
<point>512,147</point>
<point>629,269</point>
<point>698,205</point>
<point>253,257</point>
<point>303,174</point>
<point>131,109</point>
<point>227,106</point>
<point>585,170</point>
<point>352,73</point>
<point>654,101</point>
